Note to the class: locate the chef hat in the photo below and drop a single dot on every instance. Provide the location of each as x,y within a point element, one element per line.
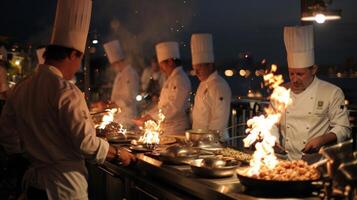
<point>3,53</point>
<point>114,51</point>
<point>299,44</point>
<point>39,53</point>
<point>166,50</point>
<point>202,48</point>
<point>72,23</point>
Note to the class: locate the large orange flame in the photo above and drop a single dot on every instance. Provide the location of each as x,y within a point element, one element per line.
<point>261,127</point>
<point>152,131</point>
<point>107,118</point>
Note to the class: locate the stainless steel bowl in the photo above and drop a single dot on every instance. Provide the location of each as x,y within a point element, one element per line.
<point>204,139</point>
<point>214,168</point>
<point>178,155</point>
<point>196,135</point>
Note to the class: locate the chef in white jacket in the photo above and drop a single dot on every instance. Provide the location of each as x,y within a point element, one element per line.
<point>175,92</point>
<point>47,118</point>
<point>125,86</point>
<point>317,115</point>
<point>213,97</point>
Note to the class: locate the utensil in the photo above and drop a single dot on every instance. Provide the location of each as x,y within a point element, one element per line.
<point>349,170</point>
<point>294,186</point>
<point>139,148</point>
<point>338,152</point>
<point>178,155</point>
<point>214,168</point>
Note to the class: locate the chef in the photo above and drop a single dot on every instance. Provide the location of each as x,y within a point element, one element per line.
<point>213,97</point>
<point>173,102</point>
<point>125,86</point>
<point>47,118</point>
<point>317,115</point>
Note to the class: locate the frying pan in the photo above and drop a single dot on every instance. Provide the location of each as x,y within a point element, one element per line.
<point>294,186</point>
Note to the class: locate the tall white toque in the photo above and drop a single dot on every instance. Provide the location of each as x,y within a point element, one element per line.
<point>202,48</point>
<point>72,24</point>
<point>166,50</point>
<point>114,51</point>
<point>39,53</point>
<point>299,44</point>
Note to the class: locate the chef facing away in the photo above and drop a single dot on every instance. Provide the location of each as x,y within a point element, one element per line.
<point>47,118</point>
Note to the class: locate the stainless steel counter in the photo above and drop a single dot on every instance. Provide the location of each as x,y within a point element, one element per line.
<point>151,173</point>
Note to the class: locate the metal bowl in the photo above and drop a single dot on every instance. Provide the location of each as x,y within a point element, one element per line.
<point>178,155</point>
<point>213,168</point>
<point>196,135</point>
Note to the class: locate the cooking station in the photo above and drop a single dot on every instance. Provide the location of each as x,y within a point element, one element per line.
<point>149,178</point>
<point>157,176</point>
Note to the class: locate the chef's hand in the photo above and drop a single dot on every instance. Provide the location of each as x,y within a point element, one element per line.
<point>314,145</point>
<point>126,157</point>
<point>279,149</point>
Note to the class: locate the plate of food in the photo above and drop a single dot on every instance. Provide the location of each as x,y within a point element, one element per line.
<point>232,153</point>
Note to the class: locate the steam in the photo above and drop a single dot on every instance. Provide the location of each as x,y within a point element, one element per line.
<point>139,25</point>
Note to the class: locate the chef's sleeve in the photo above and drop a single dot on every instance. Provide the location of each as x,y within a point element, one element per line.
<point>9,137</point>
<point>79,127</point>
<point>338,116</point>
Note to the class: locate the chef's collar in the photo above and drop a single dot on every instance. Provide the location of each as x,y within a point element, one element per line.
<point>174,72</point>
<point>126,67</point>
<point>53,69</point>
<point>211,76</point>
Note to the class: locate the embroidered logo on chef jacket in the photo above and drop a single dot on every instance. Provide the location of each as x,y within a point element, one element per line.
<point>320,105</point>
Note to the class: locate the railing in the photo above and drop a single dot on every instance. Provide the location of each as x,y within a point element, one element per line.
<point>242,109</point>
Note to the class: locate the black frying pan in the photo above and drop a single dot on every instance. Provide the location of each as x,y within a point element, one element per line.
<point>283,186</point>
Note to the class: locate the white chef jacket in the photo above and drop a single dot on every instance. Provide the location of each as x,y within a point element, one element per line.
<point>56,132</point>
<point>318,110</point>
<point>212,104</point>
<point>125,89</point>
<point>174,103</point>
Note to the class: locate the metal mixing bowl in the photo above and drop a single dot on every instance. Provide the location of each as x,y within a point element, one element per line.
<point>213,167</point>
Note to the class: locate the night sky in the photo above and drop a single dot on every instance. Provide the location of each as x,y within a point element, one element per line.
<point>253,26</point>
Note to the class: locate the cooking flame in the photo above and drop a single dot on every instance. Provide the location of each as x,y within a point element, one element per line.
<point>107,118</point>
<point>261,127</point>
<point>152,130</point>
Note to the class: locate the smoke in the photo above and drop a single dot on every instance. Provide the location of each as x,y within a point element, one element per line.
<point>139,25</point>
